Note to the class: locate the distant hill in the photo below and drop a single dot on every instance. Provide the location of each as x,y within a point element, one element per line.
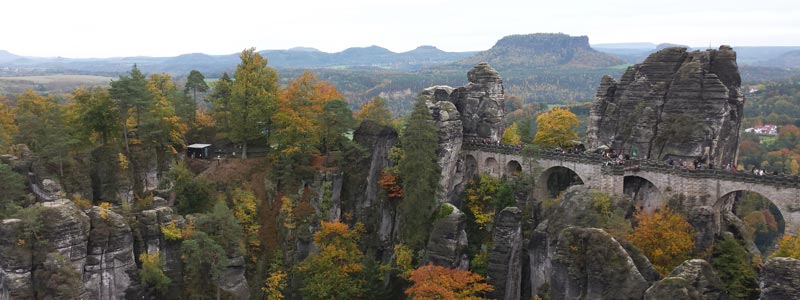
<point>7,56</point>
<point>789,59</point>
<point>542,50</point>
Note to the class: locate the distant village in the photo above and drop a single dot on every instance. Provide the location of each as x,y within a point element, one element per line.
<point>766,129</point>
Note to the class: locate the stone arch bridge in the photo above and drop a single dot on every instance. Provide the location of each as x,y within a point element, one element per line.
<point>701,187</point>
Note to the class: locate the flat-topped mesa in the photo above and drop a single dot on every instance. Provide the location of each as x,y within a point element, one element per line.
<point>676,104</point>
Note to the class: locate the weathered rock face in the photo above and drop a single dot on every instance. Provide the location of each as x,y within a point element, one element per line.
<point>233,280</point>
<point>481,103</point>
<point>590,264</point>
<point>150,240</point>
<point>680,104</point>
<point>447,243</point>
<point>693,279</point>
<point>110,265</point>
<point>504,271</point>
<point>450,129</point>
<point>780,279</point>
<point>360,184</point>
<point>65,231</point>
<point>575,209</point>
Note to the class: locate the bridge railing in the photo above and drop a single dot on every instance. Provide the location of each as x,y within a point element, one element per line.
<point>611,166</point>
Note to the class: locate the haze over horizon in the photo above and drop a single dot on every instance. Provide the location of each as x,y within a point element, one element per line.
<point>95,28</point>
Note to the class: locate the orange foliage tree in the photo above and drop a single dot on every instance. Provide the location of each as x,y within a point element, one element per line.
<point>300,107</point>
<point>665,237</point>
<point>7,126</point>
<point>390,183</point>
<point>436,282</point>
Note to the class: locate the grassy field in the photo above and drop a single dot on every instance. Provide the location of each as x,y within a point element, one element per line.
<point>61,83</point>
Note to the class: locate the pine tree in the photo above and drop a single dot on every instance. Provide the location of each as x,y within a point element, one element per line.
<point>419,171</point>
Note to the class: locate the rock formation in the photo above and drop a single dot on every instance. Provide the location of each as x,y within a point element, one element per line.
<point>110,265</point>
<point>447,243</point>
<point>693,279</point>
<point>678,104</point>
<point>504,271</point>
<point>471,112</point>
<point>590,264</point>
<point>780,279</point>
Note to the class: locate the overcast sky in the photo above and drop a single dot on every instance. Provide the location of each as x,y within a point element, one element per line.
<point>104,28</point>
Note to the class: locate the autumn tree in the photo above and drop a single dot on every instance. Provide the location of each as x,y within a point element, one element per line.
<point>8,128</point>
<point>511,135</point>
<point>435,282</point>
<point>195,82</point>
<point>376,110</point>
<point>788,246</point>
<point>335,271</point>
<point>253,99</point>
<point>556,128</point>
<point>43,127</point>
<point>245,209</point>
<point>152,272</point>
<point>419,171</point>
<point>299,119</point>
<point>95,113</point>
<point>665,237</point>
<point>161,126</point>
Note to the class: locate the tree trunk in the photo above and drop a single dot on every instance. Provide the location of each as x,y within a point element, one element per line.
<point>125,134</point>
<point>244,149</point>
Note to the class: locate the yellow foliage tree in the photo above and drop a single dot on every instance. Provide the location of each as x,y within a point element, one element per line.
<point>665,237</point>
<point>245,210</point>
<point>7,126</point>
<point>511,135</point>
<point>376,110</point>
<point>300,105</point>
<point>436,282</point>
<point>403,258</point>
<point>335,272</point>
<point>789,246</point>
<point>274,285</point>
<point>556,128</point>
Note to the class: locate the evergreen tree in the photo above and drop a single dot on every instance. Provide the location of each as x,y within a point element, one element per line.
<point>204,263</point>
<point>731,262</point>
<point>130,93</point>
<point>195,82</point>
<point>253,99</point>
<point>337,119</point>
<point>13,189</point>
<point>419,171</point>
<point>96,113</point>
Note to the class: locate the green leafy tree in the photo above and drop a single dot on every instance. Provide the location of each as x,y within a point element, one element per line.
<point>335,271</point>
<point>220,102</point>
<point>96,113</point>
<point>337,119</point>
<point>732,264</point>
<point>43,127</point>
<point>253,99</point>
<point>193,195</point>
<point>221,225</point>
<point>152,272</point>
<point>204,263</point>
<point>13,189</point>
<point>419,171</point>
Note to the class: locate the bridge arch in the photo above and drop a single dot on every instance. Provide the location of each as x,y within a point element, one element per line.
<point>784,198</point>
<point>555,180</point>
<point>760,214</point>
<point>513,168</point>
<point>645,194</point>
<point>490,167</point>
<point>470,167</point>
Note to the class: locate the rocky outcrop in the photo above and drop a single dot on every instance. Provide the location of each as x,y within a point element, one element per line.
<point>360,184</point>
<point>60,228</point>
<point>780,279</point>
<point>481,103</point>
<point>694,279</point>
<point>233,280</point>
<point>450,129</point>
<point>574,209</point>
<point>678,104</point>
<point>590,264</point>
<point>110,265</point>
<point>447,243</point>
<point>504,271</point>
<point>702,220</point>
<point>150,240</point>
<point>644,265</point>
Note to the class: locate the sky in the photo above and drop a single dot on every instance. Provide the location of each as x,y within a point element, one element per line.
<point>112,28</point>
